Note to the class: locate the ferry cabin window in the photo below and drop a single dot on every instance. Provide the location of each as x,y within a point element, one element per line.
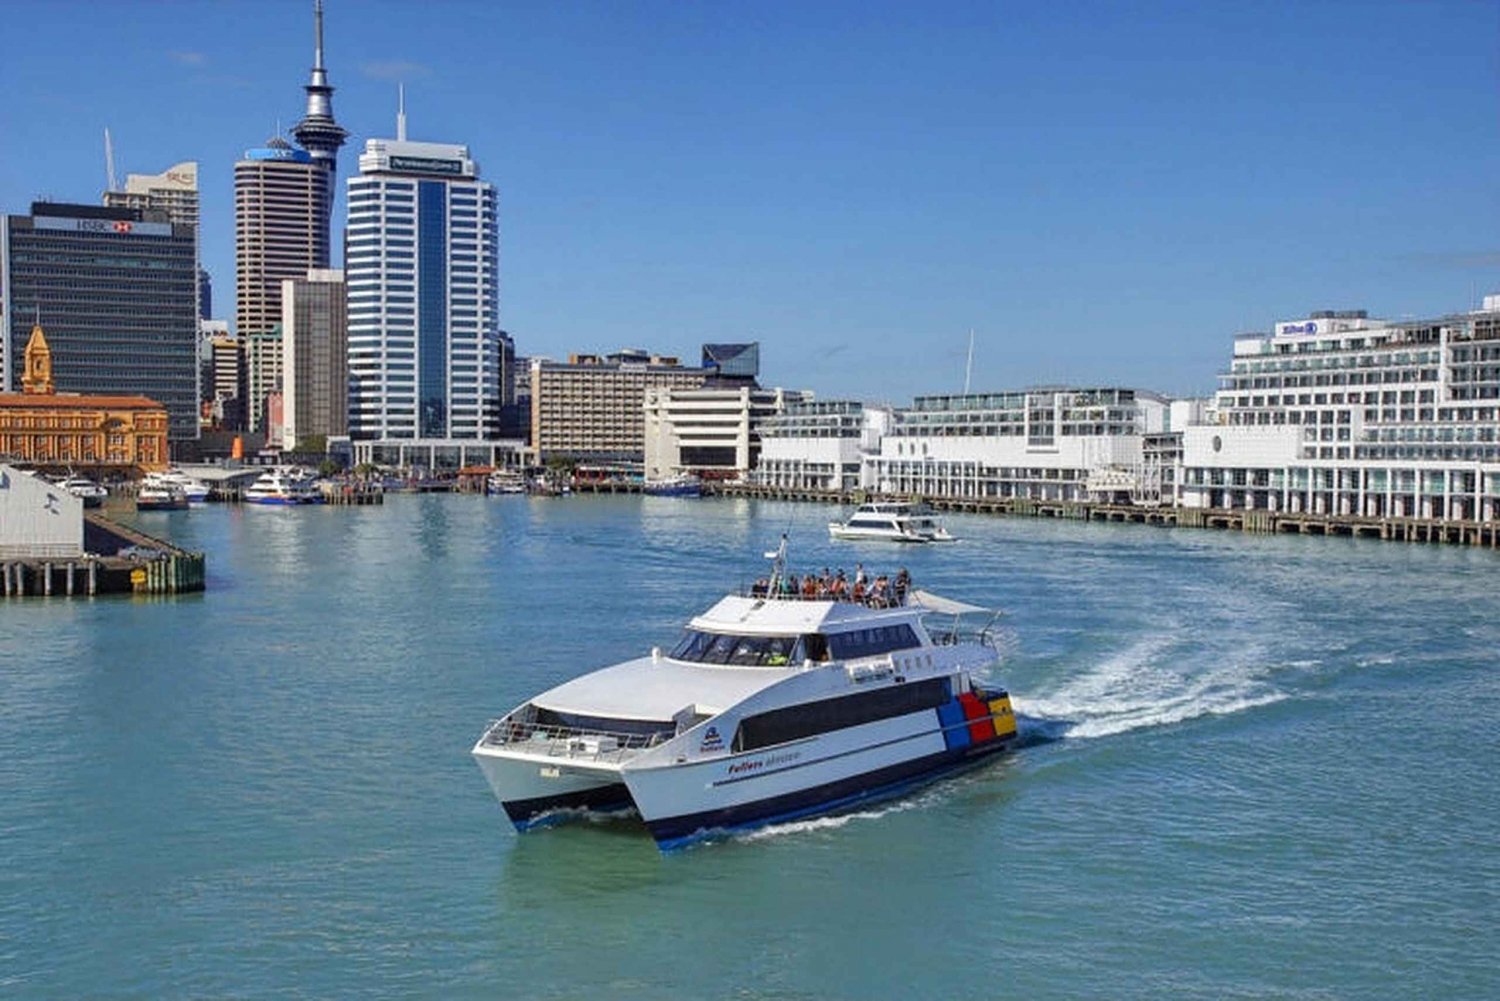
<point>870,642</point>
<point>811,718</point>
<point>742,651</point>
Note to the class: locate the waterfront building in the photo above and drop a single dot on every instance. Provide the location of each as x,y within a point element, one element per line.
<point>589,408</point>
<point>713,432</point>
<point>37,519</point>
<point>174,191</point>
<point>117,290</point>
<point>425,354</point>
<point>95,432</point>
<point>1054,443</point>
<point>821,445</point>
<point>315,363</point>
<point>733,362</point>
<point>1342,414</point>
<point>281,200</point>
<point>227,383</point>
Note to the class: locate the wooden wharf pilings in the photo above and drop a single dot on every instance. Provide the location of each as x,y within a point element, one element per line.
<point>131,563</point>
<point>352,493</point>
<point>1473,533</point>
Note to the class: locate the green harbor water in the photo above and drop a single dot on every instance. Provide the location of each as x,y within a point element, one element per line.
<point>1254,767</point>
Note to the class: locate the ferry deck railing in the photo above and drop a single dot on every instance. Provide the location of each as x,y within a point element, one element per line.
<point>574,743</point>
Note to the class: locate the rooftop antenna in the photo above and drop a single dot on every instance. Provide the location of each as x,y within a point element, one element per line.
<point>109,160</point>
<point>969,366</point>
<point>401,112</point>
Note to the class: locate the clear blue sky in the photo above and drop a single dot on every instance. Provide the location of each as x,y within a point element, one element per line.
<point>1104,193</point>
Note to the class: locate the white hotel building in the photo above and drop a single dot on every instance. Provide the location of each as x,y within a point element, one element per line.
<point>422,278</point>
<point>1047,444</point>
<point>820,445</point>
<point>1341,414</point>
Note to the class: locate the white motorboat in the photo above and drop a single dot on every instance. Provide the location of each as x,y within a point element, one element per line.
<point>195,490</point>
<point>772,707</point>
<point>504,483</point>
<point>160,497</point>
<point>891,521</point>
<point>285,485</point>
<point>85,489</point>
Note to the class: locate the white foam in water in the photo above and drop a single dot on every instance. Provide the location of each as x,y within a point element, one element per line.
<point>834,822</point>
<point>1133,689</point>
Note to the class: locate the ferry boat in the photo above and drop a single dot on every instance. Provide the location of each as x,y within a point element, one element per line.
<point>772,707</point>
<point>196,490</point>
<point>676,486</point>
<point>891,521</point>
<point>285,486</point>
<point>160,497</point>
<point>85,489</point>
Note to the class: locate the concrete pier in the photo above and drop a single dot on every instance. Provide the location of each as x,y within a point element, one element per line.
<point>1471,533</point>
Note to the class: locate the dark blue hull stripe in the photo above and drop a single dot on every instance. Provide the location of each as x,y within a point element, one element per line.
<point>832,797</point>
<point>543,810</point>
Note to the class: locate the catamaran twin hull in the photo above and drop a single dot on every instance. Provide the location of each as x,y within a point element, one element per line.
<point>543,779</point>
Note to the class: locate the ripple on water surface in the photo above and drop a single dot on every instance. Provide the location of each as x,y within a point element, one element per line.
<point>1249,763</point>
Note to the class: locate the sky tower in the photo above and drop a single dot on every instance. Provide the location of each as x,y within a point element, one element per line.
<point>318,133</point>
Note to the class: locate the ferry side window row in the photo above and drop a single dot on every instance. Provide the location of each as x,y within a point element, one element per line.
<point>778,726</point>
<point>872,641</point>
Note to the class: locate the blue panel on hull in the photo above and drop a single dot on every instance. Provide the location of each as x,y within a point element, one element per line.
<point>955,727</point>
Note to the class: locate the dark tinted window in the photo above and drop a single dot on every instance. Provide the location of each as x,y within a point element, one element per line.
<point>872,641</point>
<point>742,651</point>
<point>795,722</point>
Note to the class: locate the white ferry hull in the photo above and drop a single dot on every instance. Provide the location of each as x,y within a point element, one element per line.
<point>683,803</point>
<point>840,531</point>
<point>536,791</point>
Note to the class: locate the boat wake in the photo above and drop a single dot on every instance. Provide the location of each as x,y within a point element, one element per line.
<point>913,800</point>
<point>1135,689</point>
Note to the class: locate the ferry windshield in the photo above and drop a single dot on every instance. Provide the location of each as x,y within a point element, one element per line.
<point>745,651</point>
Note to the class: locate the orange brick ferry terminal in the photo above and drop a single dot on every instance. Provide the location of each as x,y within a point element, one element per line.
<point>46,428</point>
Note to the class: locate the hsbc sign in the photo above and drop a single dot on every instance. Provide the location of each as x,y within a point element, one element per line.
<point>113,227</point>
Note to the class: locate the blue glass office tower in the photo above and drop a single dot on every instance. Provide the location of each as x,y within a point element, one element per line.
<point>421,266</point>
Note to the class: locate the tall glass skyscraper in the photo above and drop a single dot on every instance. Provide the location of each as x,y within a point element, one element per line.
<point>422,257</point>
<point>116,290</point>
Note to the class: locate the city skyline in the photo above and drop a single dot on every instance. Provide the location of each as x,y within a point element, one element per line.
<point>1104,196</point>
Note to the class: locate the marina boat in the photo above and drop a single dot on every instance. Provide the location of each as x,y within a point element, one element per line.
<point>284,485</point>
<point>505,483</point>
<point>676,486</point>
<point>772,707</point>
<point>85,489</point>
<point>160,497</point>
<point>891,521</point>
<point>196,490</point>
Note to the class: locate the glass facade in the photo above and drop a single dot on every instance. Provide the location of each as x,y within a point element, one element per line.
<point>432,306</point>
<point>421,261</point>
<point>118,299</point>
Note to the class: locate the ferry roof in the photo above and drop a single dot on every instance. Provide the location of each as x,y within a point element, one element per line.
<point>788,617</point>
<point>650,689</point>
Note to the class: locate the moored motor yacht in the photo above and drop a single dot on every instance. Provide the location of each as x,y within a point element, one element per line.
<point>891,521</point>
<point>771,707</point>
<point>196,491</point>
<point>285,485</point>
<point>85,489</point>
<point>160,497</point>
